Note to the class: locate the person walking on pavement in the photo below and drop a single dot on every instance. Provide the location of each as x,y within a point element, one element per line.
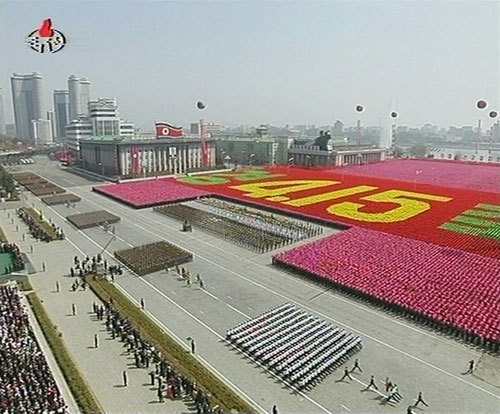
<point>72,271</point>
<point>192,346</point>
<point>58,287</point>
<point>420,400</point>
<point>44,267</point>
<point>388,384</point>
<point>160,394</point>
<point>198,278</point>
<point>409,410</point>
<point>275,409</point>
<point>73,309</point>
<point>188,281</point>
<point>142,303</point>
<point>356,366</point>
<point>346,374</point>
<point>202,286</point>
<point>125,378</point>
<point>471,367</point>
<point>96,341</point>
<point>372,383</point>
<point>152,376</point>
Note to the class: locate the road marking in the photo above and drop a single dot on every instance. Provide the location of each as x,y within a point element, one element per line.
<point>209,294</point>
<point>240,312</point>
<point>186,346</point>
<point>224,339</point>
<point>202,312</point>
<point>307,307</point>
<point>173,292</point>
<point>366,385</point>
<point>345,407</point>
<point>162,325</point>
<point>230,297</point>
<point>249,308</point>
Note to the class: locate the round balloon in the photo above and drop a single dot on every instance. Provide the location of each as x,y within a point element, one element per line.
<point>481,104</point>
<point>394,114</point>
<point>200,105</point>
<point>359,108</point>
<point>493,114</point>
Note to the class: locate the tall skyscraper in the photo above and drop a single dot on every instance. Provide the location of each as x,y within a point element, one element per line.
<point>27,102</point>
<point>79,97</point>
<point>61,109</point>
<point>2,113</point>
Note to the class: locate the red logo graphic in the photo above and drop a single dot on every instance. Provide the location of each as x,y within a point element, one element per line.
<point>46,39</point>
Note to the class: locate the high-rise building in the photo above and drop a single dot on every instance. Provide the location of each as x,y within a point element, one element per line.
<point>27,102</point>
<point>61,108</point>
<point>52,118</point>
<point>42,131</point>
<point>338,128</point>
<point>79,97</point>
<point>2,113</point>
<point>103,120</point>
<point>10,130</point>
<point>195,128</point>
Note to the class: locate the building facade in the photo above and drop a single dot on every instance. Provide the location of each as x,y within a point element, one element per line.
<point>121,157</point>
<point>79,97</point>
<point>485,152</point>
<point>61,109</point>
<point>312,156</point>
<point>2,113</point>
<point>27,103</point>
<point>103,120</point>
<point>251,150</point>
<point>42,131</point>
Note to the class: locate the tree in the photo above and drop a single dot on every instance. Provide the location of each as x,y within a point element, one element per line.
<point>418,150</point>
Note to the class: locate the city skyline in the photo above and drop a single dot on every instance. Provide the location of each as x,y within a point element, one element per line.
<point>269,63</point>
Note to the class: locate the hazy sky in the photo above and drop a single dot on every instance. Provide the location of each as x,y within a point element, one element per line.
<point>278,62</point>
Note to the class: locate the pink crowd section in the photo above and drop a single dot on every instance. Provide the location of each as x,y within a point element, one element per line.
<point>446,284</point>
<point>483,177</point>
<point>151,192</point>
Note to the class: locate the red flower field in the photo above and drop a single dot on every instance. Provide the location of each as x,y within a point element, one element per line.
<point>150,192</point>
<point>445,284</point>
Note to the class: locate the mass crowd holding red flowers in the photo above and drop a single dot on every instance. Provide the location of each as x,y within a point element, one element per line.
<point>150,192</point>
<point>26,383</point>
<point>443,173</point>
<point>451,289</point>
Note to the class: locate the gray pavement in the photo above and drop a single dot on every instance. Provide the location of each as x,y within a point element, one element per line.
<point>101,367</point>
<point>241,284</point>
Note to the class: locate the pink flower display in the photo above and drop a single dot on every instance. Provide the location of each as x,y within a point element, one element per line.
<point>484,177</point>
<point>441,283</point>
<point>148,193</point>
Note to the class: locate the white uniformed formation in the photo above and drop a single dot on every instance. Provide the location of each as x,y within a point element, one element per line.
<point>300,348</point>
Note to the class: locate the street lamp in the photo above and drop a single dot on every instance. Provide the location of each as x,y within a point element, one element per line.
<point>481,104</point>
<point>252,159</point>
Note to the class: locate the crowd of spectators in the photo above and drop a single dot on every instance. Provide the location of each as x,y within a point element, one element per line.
<point>26,382</point>
<point>170,383</point>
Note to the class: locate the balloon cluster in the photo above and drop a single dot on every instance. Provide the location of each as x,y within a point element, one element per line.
<point>200,105</point>
<point>359,108</point>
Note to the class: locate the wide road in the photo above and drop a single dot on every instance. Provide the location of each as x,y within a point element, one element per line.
<point>241,284</point>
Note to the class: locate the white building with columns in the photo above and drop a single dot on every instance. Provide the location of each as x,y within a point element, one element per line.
<point>123,157</point>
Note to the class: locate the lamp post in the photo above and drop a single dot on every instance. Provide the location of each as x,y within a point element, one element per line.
<point>252,159</point>
<point>481,104</point>
<point>359,108</point>
<point>394,115</point>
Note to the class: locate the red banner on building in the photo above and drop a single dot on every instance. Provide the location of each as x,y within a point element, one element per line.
<point>164,130</point>
<point>135,153</point>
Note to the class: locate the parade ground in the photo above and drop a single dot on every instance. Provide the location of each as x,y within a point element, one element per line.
<point>238,285</point>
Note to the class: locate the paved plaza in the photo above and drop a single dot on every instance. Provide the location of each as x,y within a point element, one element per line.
<point>239,284</point>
